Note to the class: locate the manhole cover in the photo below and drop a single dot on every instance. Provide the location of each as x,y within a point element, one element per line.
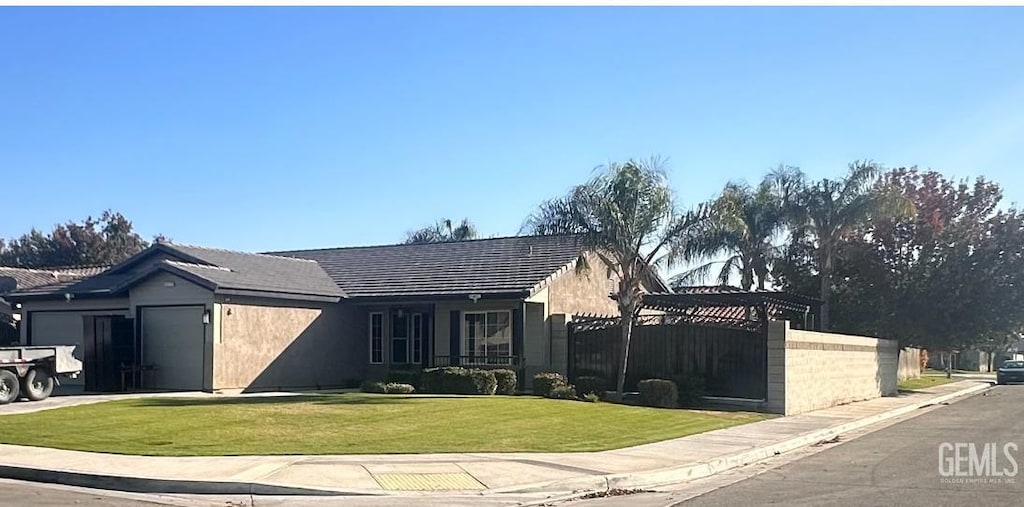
<point>427,482</point>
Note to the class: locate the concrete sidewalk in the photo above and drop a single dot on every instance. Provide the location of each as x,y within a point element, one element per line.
<point>643,466</point>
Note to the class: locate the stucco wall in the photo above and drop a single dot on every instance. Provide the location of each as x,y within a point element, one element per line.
<point>910,364</point>
<point>264,345</point>
<point>583,292</point>
<point>810,371</point>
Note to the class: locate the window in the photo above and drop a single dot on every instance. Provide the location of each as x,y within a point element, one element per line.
<point>400,338</point>
<point>488,336</point>
<point>376,338</point>
<point>417,338</point>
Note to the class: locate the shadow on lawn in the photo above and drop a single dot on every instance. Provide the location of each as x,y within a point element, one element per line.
<point>316,399</point>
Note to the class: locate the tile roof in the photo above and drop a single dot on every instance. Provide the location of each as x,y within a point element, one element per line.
<point>484,266</point>
<point>219,270</point>
<point>18,279</point>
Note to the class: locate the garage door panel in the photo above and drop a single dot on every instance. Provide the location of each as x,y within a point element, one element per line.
<point>60,328</point>
<point>173,342</point>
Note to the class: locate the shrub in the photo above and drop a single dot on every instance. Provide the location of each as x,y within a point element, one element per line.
<point>411,377</point>
<point>484,381</point>
<point>373,386</point>
<point>562,392</point>
<point>924,359</point>
<point>544,383</point>
<point>591,397</point>
<point>588,384</point>
<point>506,381</point>
<point>396,388</point>
<point>691,390</point>
<point>656,392</point>
<point>457,380</point>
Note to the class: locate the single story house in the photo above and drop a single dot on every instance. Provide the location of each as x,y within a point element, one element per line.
<point>183,317</point>
<point>14,279</point>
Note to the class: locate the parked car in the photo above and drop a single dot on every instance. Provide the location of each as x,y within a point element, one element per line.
<point>1010,371</point>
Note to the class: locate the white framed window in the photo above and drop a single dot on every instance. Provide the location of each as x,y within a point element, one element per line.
<point>376,338</point>
<point>417,338</point>
<point>487,336</point>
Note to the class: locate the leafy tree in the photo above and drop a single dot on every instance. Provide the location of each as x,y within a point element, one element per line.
<point>826,211</point>
<point>94,242</point>
<point>442,232</point>
<point>627,218</point>
<point>744,225</point>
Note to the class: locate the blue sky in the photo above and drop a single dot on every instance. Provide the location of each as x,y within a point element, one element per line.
<point>263,129</point>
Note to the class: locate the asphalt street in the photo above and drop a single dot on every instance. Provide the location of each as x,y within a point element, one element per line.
<point>909,463</point>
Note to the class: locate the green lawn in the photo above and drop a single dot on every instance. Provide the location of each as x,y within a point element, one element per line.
<point>354,424</point>
<point>925,381</point>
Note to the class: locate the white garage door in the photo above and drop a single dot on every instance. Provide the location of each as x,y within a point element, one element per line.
<point>60,328</point>
<point>173,342</point>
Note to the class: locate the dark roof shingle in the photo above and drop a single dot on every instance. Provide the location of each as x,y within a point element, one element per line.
<point>485,266</point>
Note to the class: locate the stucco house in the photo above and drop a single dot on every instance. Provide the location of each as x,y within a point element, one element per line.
<point>191,318</point>
<point>13,279</point>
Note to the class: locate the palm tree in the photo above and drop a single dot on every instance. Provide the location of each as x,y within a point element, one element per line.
<point>745,222</point>
<point>626,217</point>
<point>828,210</point>
<point>442,232</point>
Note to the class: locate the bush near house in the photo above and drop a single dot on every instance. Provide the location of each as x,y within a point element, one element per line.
<point>691,390</point>
<point>544,383</point>
<point>562,392</point>
<point>457,380</point>
<point>591,385</point>
<point>373,386</point>
<point>656,392</point>
<point>507,381</point>
<point>411,377</point>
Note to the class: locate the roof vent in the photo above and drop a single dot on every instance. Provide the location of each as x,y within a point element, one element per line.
<point>530,254</point>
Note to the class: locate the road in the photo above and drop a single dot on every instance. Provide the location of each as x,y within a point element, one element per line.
<point>896,465</point>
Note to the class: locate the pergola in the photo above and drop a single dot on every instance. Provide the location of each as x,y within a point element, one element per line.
<point>727,305</point>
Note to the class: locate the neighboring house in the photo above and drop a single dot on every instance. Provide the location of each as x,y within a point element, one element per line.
<point>16,279</point>
<point>206,319</point>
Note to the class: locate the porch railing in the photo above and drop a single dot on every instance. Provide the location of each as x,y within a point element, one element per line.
<point>492,361</point>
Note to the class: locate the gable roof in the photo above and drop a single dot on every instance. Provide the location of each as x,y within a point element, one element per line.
<point>17,279</point>
<point>222,271</point>
<point>495,267</point>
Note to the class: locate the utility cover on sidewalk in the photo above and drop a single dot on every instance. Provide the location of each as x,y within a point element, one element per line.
<point>428,482</point>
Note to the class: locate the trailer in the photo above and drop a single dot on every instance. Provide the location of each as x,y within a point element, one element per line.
<point>32,372</point>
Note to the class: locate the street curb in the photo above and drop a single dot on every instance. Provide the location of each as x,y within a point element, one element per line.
<point>577,486</point>
<point>168,486</point>
<point>644,480</point>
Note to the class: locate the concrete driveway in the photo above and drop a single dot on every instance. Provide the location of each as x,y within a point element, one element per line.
<point>73,398</point>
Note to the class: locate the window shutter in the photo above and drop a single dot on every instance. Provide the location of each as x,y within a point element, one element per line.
<point>426,335</point>
<point>518,331</point>
<point>455,337</point>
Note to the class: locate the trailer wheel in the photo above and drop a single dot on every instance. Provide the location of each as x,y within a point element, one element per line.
<point>8,387</point>
<point>37,384</point>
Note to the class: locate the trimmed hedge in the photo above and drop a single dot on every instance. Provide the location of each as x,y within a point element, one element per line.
<point>457,380</point>
<point>372,386</point>
<point>506,381</point>
<point>656,392</point>
<point>588,384</point>
<point>562,392</point>
<point>377,387</point>
<point>691,391</point>
<point>396,388</point>
<point>544,383</point>
<point>411,377</point>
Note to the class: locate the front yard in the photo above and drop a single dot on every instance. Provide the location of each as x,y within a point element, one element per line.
<point>354,424</point>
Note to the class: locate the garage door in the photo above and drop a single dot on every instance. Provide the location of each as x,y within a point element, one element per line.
<point>172,341</point>
<point>60,328</point>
